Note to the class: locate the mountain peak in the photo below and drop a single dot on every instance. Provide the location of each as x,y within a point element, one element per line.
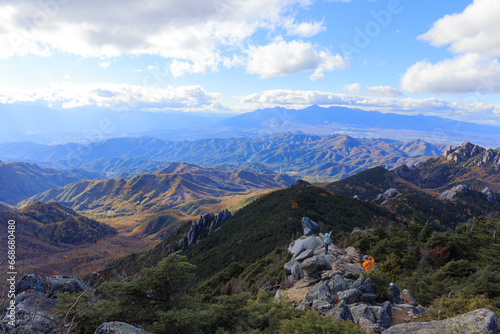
<point>463,152</point>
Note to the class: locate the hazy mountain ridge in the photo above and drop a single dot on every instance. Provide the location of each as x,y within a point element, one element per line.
<point>19,180</point>
<point>468,164</point>
<point>327,157</point>
<point>50,226</point>
<point>182,187</point>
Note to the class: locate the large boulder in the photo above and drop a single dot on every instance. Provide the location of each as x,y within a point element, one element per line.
<point>309,226</point>
<point>478,321</point>
<point>50,285</point>
<point>389,193</point>
<point>33,314</point>
<point>490,197</point>
<point>304,243</point>
<point>407,297</point>
<point>341,312</point>
<point>117,327</point>
<point>453,193</point>
<point>313,266</point>
<point>395,294</point>
<point>350,296</point>
<point>337,284</point>
<point>372,316</point>
<point>320,291</point>
<point>35,299</point>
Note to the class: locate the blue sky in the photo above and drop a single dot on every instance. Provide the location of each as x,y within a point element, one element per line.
<point>404,56</point>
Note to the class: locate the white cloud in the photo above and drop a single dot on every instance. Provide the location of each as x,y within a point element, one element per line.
<point>465,73</point>
<point>474,35</point>
<point>283,58</point>
<point>303,29</point>
<point>192,32</point>
<point>104,64</point>
<point>475,30</point>
<point>105,95</point>
<point>464,111</point>
<point>355,88</point>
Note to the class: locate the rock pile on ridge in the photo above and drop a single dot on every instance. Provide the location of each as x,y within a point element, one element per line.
<point>329,283</point>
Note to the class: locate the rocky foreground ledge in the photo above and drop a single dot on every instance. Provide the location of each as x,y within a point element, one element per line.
<point>325,282</point>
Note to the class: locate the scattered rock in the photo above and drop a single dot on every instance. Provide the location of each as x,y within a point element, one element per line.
<point>341,312</point>
<point>304,243</point>
<point>407,297</point>
<point>353,254</point>
<point>453,193</point>
<point>33,314</point>
<point>368,297</point>
<point>50,285</point>
<point>490,197</point>
<point>304,255</point>
<point>337,284</point>
<point>478,321</point>
<point>321,305</point>
<point>320,291</point>
<point>395,293</point>
<point>389,193</point>
<point>297,273</point>
<point>117,327</point>
<point>350,296</point>
<point>309,226</point>
<point>313,266</point>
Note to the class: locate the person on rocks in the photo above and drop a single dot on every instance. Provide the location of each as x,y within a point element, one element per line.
<point>326,238</point>
<point>368,263</point>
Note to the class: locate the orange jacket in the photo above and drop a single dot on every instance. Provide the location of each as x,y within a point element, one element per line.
<point>369,264</point>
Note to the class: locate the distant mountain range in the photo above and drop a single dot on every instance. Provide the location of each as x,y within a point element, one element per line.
<point>45,125</point>
<point>45,228</point>
<point>19,180</point>
<point>314,157</point>
<point>178,191</point>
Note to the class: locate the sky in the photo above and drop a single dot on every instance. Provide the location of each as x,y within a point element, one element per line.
<point>427,57</point>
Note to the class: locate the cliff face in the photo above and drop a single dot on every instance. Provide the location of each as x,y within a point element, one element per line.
<point>204,226</point>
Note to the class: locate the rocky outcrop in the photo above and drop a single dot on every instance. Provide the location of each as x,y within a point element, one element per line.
<point>35,299</point>
<point>117,327</point>
<point>309,226</point>
<point>474,155</point>
<point>407,298</point>
<point>454,193</point>
<point>478,321</point>
<point>490,197</point>
<point>463,152</point>
<point>220,219</point>
<point>49,285</point>
<point>206,224</point>
<point>337,286</point>
<point>389,193</point>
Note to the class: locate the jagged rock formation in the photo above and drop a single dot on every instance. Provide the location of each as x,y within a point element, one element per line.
<point>490,197</point>
<point>206,224</point>
<point>332,289</point>
<point>117,327</point>
<point>329,286</point>
<point>478,321</point>
<point>310,227</point>
<point>35,299</point>
<point>389,193</point>
<point>480,155</point>
<point>453,193</point>
<point>463,152</point>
